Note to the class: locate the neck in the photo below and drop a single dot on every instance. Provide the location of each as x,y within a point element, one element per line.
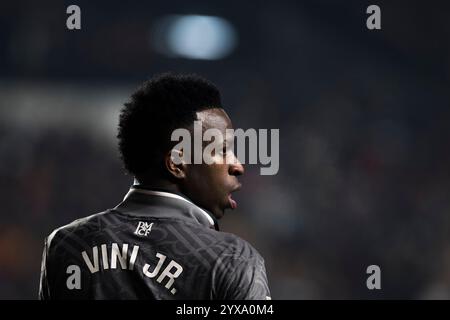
<point>158,184</point>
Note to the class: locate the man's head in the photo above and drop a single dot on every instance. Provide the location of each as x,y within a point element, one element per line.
<point>161,105</point>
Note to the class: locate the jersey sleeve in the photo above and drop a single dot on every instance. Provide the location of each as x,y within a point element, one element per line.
<point>61,276</point>
<point>242,279</point>
<point>44,293</point>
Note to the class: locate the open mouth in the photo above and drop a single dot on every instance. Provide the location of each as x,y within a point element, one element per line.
<point>233,203</point>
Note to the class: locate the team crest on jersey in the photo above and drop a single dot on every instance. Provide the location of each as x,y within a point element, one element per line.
<point>143,228</point>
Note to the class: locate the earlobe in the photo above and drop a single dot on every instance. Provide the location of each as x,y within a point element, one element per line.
<point>174,164</point>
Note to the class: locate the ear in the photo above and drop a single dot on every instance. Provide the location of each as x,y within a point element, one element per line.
<point>175,163</point>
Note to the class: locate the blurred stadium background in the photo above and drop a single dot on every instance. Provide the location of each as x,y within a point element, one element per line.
<point>363,118</point>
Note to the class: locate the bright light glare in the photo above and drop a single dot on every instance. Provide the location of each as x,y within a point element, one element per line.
<point>196,37</point>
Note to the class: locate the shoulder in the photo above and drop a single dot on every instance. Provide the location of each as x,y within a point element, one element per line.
<point>218,246</point>
<point>237,258</point>
<point>235,247</point>
<point>85,224</point>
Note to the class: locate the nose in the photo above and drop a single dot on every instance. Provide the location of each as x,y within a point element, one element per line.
<point>236,168</point>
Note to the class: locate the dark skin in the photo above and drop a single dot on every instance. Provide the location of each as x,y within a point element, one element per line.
<point>207,185</point>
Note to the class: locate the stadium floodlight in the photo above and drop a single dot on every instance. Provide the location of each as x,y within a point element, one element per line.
<point>194,37</point>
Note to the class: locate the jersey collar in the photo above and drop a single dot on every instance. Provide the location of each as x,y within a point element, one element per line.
<point>138,201</point>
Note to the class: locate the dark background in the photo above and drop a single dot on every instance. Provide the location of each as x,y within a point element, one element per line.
<point>364,138</point>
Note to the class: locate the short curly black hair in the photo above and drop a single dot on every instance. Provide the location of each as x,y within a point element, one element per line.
<point>162,104</point>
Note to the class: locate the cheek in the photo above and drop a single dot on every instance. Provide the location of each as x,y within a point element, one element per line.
<point>219,172</point>
<point>212,176</point>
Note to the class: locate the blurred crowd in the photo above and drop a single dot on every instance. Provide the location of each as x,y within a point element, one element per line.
<point>364,146</point>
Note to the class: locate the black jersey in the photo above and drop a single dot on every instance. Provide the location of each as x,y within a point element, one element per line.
<point>153,245</point>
